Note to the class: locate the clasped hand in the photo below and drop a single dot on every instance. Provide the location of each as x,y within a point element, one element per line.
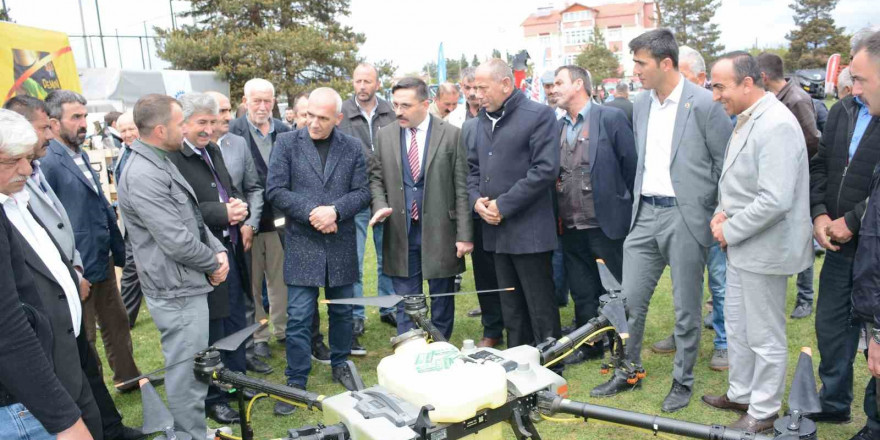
<point>323,218</point>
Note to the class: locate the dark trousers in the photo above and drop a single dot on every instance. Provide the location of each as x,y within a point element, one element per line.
<point>530,311</point>
<point>581,248</point>
<point>301,309</point>
<point>836,333</point>
<point>485,279</point>
<point>104,305</point>
<point>130,286</point>
<point>560,280</point>
<point>110,419</point>
<point>220,328</point>
<point>442,308</point>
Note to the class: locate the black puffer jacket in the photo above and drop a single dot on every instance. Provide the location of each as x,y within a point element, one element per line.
<point>839,187</point>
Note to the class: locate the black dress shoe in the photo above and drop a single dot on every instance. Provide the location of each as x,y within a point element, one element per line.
<point>866,434</point>
<point>248,393</point>
<point>679,397</point>
<point>389,318</point>
<point>342,375</point>
<point>614,386</point>
<point>257,366</point>
<point>320,353</point>
<point>222,413</point>
<point>124,433</point>
<point>284,408</point>
<point>829,417</point>
<point>262,350</point>
<point>583,354</point>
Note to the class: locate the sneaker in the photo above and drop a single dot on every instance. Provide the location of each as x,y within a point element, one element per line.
<point>343,375</point>
<point>802,310</point>
<point>211,433</point>
<point>320,353</point>
<point>665,346</point>
<point>719,360</point>
<point>356,348</point>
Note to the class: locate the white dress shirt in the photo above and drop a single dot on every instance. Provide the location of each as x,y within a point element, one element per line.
<point>658,143</point>
<point>16,208</point>
<point>421,135</point>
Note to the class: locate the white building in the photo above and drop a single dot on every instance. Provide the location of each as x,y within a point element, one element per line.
<point>555,37</point>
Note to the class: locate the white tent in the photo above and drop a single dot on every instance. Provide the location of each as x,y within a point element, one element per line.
<point>117,89</point>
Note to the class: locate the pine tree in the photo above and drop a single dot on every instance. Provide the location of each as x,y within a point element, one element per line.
<point>816,37</point>
<point>463,63</point>
<point>690,20</point>
<point>475,61</point>
<point>295,44</point>
<point>598,59</point>
<point>496,53</point>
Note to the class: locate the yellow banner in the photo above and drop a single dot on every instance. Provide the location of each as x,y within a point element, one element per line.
<point>34,62</point>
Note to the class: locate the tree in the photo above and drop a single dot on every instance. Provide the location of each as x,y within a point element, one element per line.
<point>475,61</point>
<point>598,59</point>
<point>386,69</point>
<point>295,44</point>
<point>4,14</point>
<point>496,53</point>
<point>463,63</point>
<point>690,20</point>
<point>816,37</point>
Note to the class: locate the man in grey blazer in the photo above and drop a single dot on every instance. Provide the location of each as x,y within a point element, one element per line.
<point>680,137</point>
<point>418,180</point>
<point>763,220</point>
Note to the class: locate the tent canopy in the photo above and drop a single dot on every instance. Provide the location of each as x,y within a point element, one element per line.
<point>119,89</point>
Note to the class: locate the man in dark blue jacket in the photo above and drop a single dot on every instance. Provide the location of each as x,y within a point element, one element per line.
<point>597,167</point>
<point>513,164</point>
<point>318,180</point>
<point>69,173</point>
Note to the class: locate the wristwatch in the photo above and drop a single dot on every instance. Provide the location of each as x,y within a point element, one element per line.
<point>253,228</point>
<point>875,334</point>
<point>337,212</point>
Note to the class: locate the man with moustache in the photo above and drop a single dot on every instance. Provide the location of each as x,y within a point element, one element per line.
<point>514,162</point>
<point>67,170</point>
<point>419,167</point>
<point>179,259</point>
<point>445,101</point>
<point>680,138</point>
<point>301,109</point>
<point>260,129</point>
<point>363,115</point>
<point>201,163</point>
<point>471,107</point>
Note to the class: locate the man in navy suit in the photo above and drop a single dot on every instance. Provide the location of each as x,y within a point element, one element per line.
<point>318,179</point>
<point>597,167</point>
<point>69,173</point>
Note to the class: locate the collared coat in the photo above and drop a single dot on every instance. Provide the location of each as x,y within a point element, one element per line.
<point>244,175</point>
<point>93,219</point>
<point>445,213</point>
<point>355,124</point>
<point>297,184</point>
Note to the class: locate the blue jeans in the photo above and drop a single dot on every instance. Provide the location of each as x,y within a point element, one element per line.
<point>361,220</point>
<point>716,266</point>
<point>301,308</point>
<point>560,281</point>
<point>17,423</point>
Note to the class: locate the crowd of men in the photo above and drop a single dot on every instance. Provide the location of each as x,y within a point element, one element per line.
<point>223,221</point>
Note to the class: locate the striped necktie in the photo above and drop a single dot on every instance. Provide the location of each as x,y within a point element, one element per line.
<point>413,156</point>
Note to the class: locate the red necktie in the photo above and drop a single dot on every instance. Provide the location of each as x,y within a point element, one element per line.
<point>413,156</point>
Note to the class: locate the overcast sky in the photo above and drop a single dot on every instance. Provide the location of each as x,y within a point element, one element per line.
<point>407,32</point>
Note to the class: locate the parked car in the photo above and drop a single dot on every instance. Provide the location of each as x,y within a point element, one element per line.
<point>812,81</point>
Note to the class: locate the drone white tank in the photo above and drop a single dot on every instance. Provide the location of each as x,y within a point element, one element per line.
<point>434,374</point>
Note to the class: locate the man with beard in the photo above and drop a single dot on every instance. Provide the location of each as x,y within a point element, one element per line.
<point>67,171</point>
<point>363,115</point>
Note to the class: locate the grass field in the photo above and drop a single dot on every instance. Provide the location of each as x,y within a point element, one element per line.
<point>581,378</point>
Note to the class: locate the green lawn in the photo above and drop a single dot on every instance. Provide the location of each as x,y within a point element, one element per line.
<point>581,378</point>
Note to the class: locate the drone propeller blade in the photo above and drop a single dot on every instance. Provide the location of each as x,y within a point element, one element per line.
<point>151,373</point>
<point>379,301</point>
<point>233,341</point>
<point>609,281</point>
<point>803,395</point>
<point>473,292</point>
<point>157,418</point>
<point>616,314</point>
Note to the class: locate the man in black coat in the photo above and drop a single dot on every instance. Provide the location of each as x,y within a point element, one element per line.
<point>28,364</point>
<point>513,164</point>
<point>840,180</point>
<point>260,130</point>
<point>201,163</point>
<point>318,179</point>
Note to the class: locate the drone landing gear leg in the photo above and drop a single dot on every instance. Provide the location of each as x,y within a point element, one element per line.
<point>523,427</point>
<point>247,433</point>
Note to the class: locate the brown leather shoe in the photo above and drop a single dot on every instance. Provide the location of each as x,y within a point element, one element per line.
<point>722,402</point>
<point>489,342</point>
<point>752,425</point>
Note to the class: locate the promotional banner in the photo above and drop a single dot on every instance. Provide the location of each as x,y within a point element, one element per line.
<point>832,69</point>
<point>34,62</point>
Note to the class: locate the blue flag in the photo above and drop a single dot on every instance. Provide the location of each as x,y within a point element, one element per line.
<point>441,66</point>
